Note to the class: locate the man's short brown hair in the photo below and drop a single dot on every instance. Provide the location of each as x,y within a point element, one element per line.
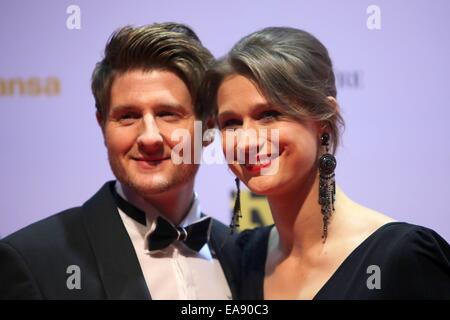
<point>162,46</point>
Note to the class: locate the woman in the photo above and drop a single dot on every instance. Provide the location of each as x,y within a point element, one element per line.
<point>277,84</point>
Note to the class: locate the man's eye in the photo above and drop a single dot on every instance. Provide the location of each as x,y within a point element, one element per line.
<point>165,114</point>
<point>168,115</point>
<point>128,117</point>
<point>269,115</point>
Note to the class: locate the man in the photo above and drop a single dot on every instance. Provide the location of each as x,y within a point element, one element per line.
<point>142,236</point>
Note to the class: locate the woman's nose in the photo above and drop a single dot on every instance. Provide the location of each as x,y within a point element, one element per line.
<point>249,144</point>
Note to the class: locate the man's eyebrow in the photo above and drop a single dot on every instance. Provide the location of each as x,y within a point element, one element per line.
<point>161,106</point>
<point>122,107</point>
<point>171,106</point>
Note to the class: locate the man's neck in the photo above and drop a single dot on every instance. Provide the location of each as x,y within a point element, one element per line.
<point>173,205</point>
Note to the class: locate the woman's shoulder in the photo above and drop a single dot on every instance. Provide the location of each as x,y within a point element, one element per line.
<point>389,238</point>
<point>386,236</point>
<point>408,239</point>
<point>413,257</point>
<point>403,235</point>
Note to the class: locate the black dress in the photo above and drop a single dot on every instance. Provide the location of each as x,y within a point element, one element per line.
<point>398,261</point>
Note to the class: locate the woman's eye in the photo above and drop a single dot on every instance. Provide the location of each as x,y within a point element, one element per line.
<point>269,115</point>
<point>230,123</point>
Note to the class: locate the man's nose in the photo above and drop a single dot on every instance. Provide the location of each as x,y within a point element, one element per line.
<point>150,138</point>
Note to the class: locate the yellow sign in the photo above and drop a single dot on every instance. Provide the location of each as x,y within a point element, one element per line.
<point>255,210</point>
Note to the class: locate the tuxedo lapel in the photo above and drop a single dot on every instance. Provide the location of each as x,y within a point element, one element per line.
<point>222,245</point>
<point>117,262</point>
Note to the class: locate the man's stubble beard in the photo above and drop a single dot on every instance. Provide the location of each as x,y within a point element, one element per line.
<point>153,183</point>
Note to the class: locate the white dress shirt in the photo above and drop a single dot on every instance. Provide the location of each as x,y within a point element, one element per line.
<point>176,272</point>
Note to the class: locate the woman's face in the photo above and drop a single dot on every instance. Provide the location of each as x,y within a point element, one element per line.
<point>269,151</point>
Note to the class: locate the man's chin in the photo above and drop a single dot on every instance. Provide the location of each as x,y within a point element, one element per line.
<point>143,187</point>
<point>148,184</point>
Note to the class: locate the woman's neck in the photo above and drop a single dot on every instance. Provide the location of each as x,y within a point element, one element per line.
<point>298,218</point>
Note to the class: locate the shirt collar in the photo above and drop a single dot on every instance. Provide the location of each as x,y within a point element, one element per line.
<point>151,213</point>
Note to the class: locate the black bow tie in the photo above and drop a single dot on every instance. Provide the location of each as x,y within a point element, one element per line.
<point>193,236</point>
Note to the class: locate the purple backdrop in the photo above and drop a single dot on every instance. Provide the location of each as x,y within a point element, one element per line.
<point>392,86</point>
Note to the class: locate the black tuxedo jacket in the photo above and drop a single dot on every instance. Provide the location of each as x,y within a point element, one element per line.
<point>34,261</point>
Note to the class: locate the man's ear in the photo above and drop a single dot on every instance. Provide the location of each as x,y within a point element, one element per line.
<point>101,123</point>
<point>100,119</point>
<point>209,133</point>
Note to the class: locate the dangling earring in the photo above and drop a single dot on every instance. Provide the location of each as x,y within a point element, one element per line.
<point>327,184</point>
<point>237,207</point>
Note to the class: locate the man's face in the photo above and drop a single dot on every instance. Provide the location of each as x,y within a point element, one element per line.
<point>145,109</point>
